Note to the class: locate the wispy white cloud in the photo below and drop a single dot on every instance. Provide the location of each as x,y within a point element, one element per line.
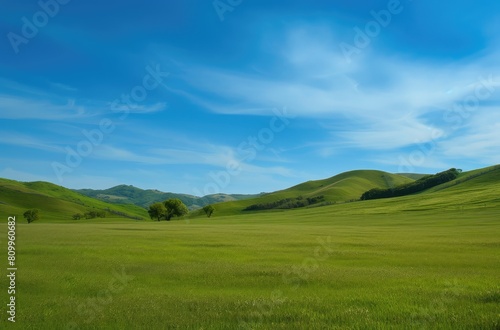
<point>210,155</point>
<point>217,156</point>
<point>385,99</point>
<point>16,88</point>
<point>27,141</point>
<point>23,108</point>
<point>64,87</point>
<point>138,108</point>
<point>479,140</point>
<point>59,109</point>
<point>390,134</point>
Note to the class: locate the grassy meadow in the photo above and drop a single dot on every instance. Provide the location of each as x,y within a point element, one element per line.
<point>288,270</point>
<point>425,261</point>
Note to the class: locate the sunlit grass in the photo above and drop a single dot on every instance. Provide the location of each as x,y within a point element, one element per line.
<point>286,270</point>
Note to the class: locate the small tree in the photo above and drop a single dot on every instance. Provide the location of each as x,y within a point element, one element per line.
<point>77,216</point>
<point>31,215</point>
<point>175,207</point>
<point>209,209</point>
<point>157,211</point>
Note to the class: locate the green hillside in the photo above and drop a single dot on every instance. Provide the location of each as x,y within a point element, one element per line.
<point>343,187</point>
<point>56,202</point>
<point>474,190</point>
<point>484,176</point>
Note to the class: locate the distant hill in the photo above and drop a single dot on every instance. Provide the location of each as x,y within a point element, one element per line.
<point>124,194</point>
<point>344,187</point>
<point>56,202</point>
<point>473,189</point>
<point>478,189</point>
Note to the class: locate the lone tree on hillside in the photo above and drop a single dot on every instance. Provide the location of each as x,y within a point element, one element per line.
<point>209,209</point>
<point>31,215</point>
<point>175,208</point>
<point>157,211</point>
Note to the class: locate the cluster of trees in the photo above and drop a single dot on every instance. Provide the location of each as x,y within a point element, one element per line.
<point>421,184</point>
<point>31,215</point>
<point>168,209</point>
<point>287,203</point>
<point>90,215</point>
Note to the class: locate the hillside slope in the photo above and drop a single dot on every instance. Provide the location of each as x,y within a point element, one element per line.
<point>56,202</point>
<point>340,188</point>
<point>476,190</point>
<point>473,190</point>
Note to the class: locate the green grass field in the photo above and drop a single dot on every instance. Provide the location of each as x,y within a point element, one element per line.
<point>428,261</point>
<point>285,271</point>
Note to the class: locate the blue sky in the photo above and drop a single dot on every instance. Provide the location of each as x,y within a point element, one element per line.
<point>245,96</point>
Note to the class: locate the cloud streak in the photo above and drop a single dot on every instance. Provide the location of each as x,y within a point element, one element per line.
<point>384,99</point>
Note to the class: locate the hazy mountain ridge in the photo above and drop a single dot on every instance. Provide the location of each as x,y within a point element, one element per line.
<point>127,194</point>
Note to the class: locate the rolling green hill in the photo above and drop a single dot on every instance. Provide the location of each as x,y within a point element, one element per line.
<point>475,190</point>
<point>478,188</point>
<point>124,194</point>
<point>471,189</point>
<point>56,202</point>
<point>344,187</point>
